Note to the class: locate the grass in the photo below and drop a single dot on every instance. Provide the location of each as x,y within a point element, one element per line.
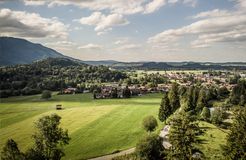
<point>213,138</point>
<point>97,127</point>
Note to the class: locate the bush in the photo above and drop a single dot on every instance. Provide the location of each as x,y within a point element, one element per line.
<point>149,123</point>
<point>46,94</point>
<point>150,148</point>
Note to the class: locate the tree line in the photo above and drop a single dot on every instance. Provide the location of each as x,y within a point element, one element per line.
<point>52,74</point>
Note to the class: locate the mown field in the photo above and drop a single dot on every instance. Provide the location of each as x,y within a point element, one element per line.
<point>97,127</point>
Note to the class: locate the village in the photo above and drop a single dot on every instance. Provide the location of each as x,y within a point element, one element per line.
<point>123,90</point>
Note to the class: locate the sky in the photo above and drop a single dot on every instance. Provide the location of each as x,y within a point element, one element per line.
<point>132,30</point>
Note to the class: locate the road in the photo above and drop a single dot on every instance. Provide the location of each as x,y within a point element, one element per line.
<point>110,156</point>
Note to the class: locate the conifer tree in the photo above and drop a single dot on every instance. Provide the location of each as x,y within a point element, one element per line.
<point>174,97</point>
<point>235,147</point>
<point>205,115</point>
<point>165,108</point>
<point>202,101</point>
<point>183,136</point>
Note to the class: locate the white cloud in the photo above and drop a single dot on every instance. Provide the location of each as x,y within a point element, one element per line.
<point>102,22</point>
<point>30,25</point>
<point>173,1</point>
<point>226,28</point>
<point>129,46</point>
<point>192,3</point>
<point>154,6</point>
<point>123,7</point>
<point>213,13</point>
<point>34,2</point>
<point>121,41</point>
<point>91,46</point>
<point>61,45</point>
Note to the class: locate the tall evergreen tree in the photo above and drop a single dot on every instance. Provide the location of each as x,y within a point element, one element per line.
<point>195,95</point>
<point>189,100</point>
<point>202,101</point>
<point>235,147</point>
<point>165,108</point>
<point>174,97</point>
<point>184,137</point>
<point>205,115</point>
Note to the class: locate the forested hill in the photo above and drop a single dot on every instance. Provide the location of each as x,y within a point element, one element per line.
<point>179,65</point>
<point>20,51</point>
<point>53,74</point>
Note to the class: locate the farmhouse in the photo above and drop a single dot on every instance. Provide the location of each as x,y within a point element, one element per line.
<point>70,90</point>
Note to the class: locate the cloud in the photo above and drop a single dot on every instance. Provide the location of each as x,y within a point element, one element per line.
<point>129,46</point>
<point>61,45</point>
<point>154,6</point>
<point>103,23</point>
<point>123,7</point>
<point>30,25</point>
<point>91,46</point>
<point>228,27</point>
<point>213,13</point>
<point>191,3</point>
<point>121,41</point>
<point>34,2</point>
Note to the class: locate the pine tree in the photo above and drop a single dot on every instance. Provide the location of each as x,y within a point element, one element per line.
<point>205,115</point>
<point>202,101</point>
<point>235,147</point>
<point>189,106</point>
<point>165,108</point>
<point>174,97</point>
<point>183,136</point>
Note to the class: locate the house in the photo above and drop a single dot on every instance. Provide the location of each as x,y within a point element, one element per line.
<point>70,90</point>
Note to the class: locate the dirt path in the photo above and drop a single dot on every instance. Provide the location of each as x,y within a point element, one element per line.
<point>110,156</point>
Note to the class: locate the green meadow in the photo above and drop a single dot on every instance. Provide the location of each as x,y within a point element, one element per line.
<point>96,127</point>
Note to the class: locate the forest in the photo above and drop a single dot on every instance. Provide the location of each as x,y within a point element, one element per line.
<point>53,74</point>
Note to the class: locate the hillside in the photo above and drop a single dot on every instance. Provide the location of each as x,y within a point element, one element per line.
<point>20,51</point>
<point>179,65</point>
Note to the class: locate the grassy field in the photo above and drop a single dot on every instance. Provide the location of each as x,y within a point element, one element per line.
<point>213,138</point>
<point>97,127</point>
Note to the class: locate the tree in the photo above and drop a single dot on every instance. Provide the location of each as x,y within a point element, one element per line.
<point>11,151</point>
<point>238,91</point>
<point>150,147</point>
<point>242,100</point>
<point>189,106</point>
<point>174,97</point>
<point>183,136</point>
<point>202,101</point>
<point>235,147</point>
<point>46,94</point>
<point>49,139</point>
<point>223,92</point>
<point>114,93</point>
<point>217,117</point>
<point>126,92</point>
<point>149,123</point>
<point>165,108</point>
<point>205,115</point>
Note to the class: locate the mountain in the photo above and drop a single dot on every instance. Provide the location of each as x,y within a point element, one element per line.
<point>102,62</point>
<point>20,51</point>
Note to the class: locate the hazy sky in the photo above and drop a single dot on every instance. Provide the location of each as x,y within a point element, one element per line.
<point>131,30</point>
